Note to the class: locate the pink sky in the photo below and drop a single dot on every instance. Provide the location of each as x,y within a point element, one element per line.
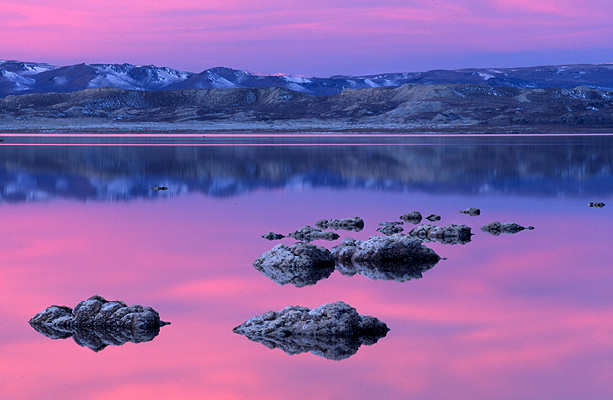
<point>318,37</point>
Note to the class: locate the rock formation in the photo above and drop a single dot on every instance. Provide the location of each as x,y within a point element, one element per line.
<point>96,323</point>
<point>412,217</point>
<point>390,228</point>
<point>473,212</point>
<point>355,224</point>
<point>301,264</point>
<point>450,234</point>
<point>334,331</point>
<point>308,234</point>
<point>273,236</point>
<point>433,217</point>
<point>496,228</point>
<point>596,204</point>
<point>397,257</point>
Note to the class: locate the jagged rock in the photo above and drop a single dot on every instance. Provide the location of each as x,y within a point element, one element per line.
<point>397,257</point>
<point>355,224</point>
<point>96,323</point>
<point>390,229</point>
<point>596,204</point>
<point>334,330</point>
<point>412,217</point>
<point>273,236</point>
<point>159,188</point>
<point>450,234</point>
<point>301,264</point>
<point>473,212</point>
<point>433,217</point>
<point>308,234</point>
<point>496,228</point>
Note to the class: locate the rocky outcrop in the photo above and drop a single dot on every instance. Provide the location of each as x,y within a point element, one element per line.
<point>301,264</point>
<point>308,234</point>
<point>334,330</point>
<point>355,224</point>
<point>273,236</point>
<point>496,228</point>
<point>96,323</point>
<point>473,212</point>
<point>412,217</point>
<point>596,204</point>
<point>450,234</point>
<point>397,257</point>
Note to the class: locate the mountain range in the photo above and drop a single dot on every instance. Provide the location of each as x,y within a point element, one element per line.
<point>18,77</point>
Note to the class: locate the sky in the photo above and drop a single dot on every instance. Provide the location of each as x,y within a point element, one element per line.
<point>316,37</point>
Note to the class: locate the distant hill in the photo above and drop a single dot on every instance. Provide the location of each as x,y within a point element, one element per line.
<point>17,77</point>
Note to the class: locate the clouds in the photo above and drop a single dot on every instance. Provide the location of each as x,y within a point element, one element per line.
<point>320,38</point>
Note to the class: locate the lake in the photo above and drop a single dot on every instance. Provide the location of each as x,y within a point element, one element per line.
<point>526,315</point>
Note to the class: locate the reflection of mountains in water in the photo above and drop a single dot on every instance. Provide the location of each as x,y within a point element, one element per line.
<point>567,168</point>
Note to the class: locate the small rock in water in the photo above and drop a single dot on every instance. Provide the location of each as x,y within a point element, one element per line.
<point>308,234</point>
<point>96,323</point>
<point>412,217</point>
<point>159,188</point>
<point>355,224</point>
<point>273,236</point>
<point>334,330</point>
<point>473,212</point>
<point>596,204</point>
<point>301,265</point>
<point>450,234</point>
<point>390,229</point>
<point>496,228</point>
<point>433,217</point>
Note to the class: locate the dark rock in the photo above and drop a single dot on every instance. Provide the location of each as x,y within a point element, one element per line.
<point>334,331</point>
<point>308,234</point>
<point>159,188</point>
<point>273,236</point>
<point>597,204</point>
<point>301,264</point>
<point>473,212</point>
<point>433,217</point>
<point>391,223</point>
<point>96,323</point>
<point>355,224</point>
<point>496,228</point>
<point>390,229</point>
<point>397,257</point>
<point>412,217</point>
<point>450,234</point>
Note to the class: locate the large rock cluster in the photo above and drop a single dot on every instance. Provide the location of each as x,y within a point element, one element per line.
<point>96,323</point>
<point>334,330</point>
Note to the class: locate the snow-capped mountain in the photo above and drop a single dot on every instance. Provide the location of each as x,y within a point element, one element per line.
<point>18,77</point>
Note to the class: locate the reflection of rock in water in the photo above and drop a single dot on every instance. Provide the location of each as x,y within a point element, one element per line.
<point>301,264</point>
<point>450,234</point>
<point>355,224</point>
<point>398,257</point>
<point>473,212</point>
<point>390,228</point>
<point>97,323</point>
<point>412,217</point>
<point>334,331</point>
<point>273,236</point>
<point>496,228</point>
<point>309,234</point>
<point>596,204</point>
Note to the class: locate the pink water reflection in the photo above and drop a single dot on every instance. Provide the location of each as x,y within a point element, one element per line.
<point>525,316</point>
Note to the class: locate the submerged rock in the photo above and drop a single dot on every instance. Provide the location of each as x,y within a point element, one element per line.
<point>96,323</point>
<point>355,224</point>
<point>473,212</point>
<point>412,217</point>
<point>301,264</point>
<point>273,236</point>
<point>308,234</point>
<point>596,204</point>
<point>433,217</point>
<point>334,330</point>
<point>397,257</point>
<point>496,228</point>
<point>450,234</point>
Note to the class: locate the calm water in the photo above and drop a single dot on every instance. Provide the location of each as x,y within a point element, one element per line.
<point>524,316</point>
